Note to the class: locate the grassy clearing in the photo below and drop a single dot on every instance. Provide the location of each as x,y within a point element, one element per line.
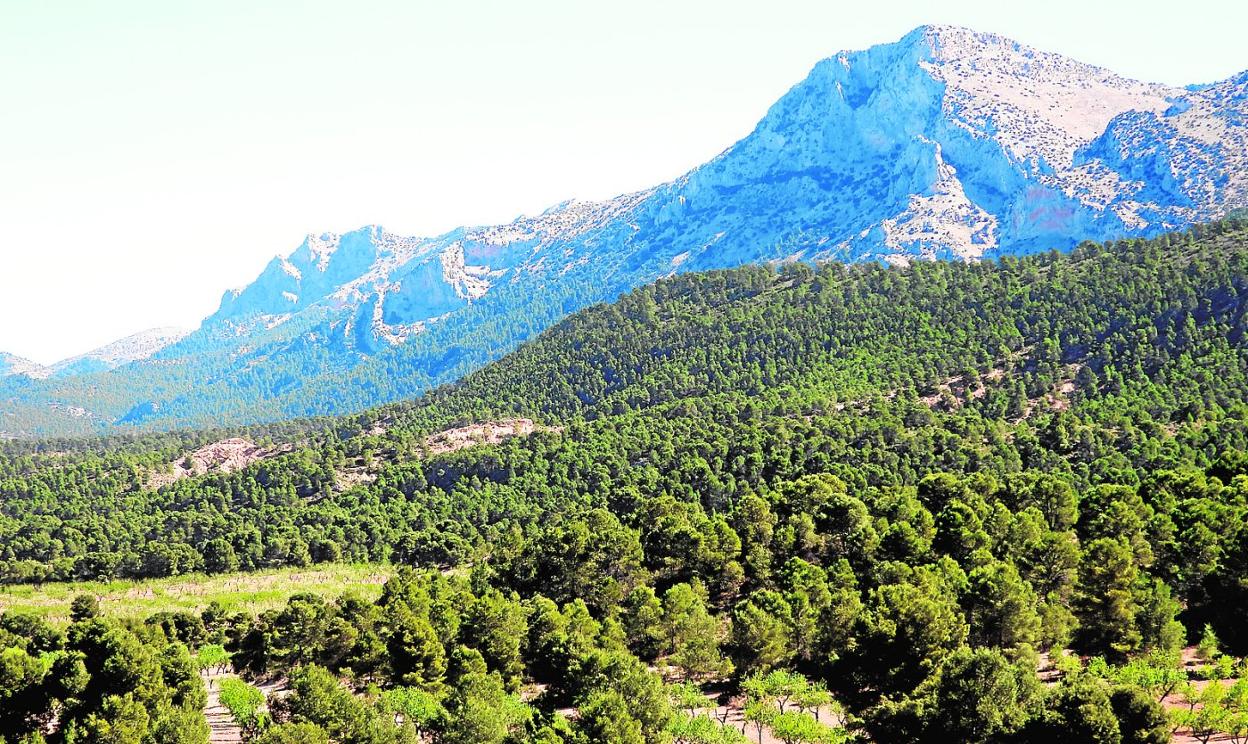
<point>252,592</point>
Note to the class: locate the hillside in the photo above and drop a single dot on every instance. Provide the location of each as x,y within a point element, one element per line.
<point>896,485</point>
<point>948,144</point>
<point>1143,334</point>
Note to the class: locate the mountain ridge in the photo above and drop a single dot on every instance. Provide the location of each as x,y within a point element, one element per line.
<point>12,364</point>
<point>132,348</point>
<point>948,144</point>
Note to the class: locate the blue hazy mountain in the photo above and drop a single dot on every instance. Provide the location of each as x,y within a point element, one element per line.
<point>948,144</point>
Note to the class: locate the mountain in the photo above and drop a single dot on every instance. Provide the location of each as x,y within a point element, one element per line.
<point>949,144</point>
<point>11,364</point>
<point>132,348</point>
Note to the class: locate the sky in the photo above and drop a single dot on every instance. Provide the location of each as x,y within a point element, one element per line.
<point>154,153</point>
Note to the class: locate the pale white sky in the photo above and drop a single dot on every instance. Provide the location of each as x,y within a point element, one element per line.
<point>154,153</point>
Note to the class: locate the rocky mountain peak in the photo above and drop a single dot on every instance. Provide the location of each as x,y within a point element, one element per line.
<point>949,143</point>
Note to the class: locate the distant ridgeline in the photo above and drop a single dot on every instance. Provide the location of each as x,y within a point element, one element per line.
<point>947,144</point>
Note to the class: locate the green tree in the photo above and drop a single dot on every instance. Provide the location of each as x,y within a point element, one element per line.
<point>25,703</point>
<point>417,657</point>
<point>607,718</point>
<point>982,696</point>
<point>1141,719</point>
<point>479,709</point>
<point>1076,710</point>
<point>761,631</point>
<point>120,720</point>
<point>84,607</point>
<point>642,618</point>
<point>293,733</point>
<point>316,697</point>
<point>414,706</point>
<point>693,635</point>
<point>1105,604</point>
<point>1208,647</point>
<point>1001,608</point>
<point>903,636</point>
<point>495,626</point>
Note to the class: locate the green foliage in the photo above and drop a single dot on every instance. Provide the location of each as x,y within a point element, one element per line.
<point>243,701</point>
<point>607,717</point>
<point>1212,710</point>
<point>761,631</point>
<point>84,607</point>
<point>799,728</point>
<point>1141,719</point>
<point>701,729</point>
<point>866,489</point>
<point>317,698</point>
<point>1156,675</point>
<point>212,657</point>
<point>981,696</point>
<point>791,706</point>
<point>1207,649</point>
<point>421,709</point>
<point>693,635</point>
<point>906,631</point>
<point>1106,606</point>
<point>293,733</point>
<point>24,699</point>
<point>1077,709</point>
<point>479,709</point>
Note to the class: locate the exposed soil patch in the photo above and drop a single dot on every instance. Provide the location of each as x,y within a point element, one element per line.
<point>954,392</point>
<point>489,432</point>
<point>225,456</point>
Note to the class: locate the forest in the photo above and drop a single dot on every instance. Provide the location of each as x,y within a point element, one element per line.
<point>991,502</point>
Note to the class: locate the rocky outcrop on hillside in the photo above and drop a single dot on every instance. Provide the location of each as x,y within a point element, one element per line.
<point>488,432</point>
<point>224,456</point>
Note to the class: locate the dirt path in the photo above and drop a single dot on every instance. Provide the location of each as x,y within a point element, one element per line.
<point>221,726</point>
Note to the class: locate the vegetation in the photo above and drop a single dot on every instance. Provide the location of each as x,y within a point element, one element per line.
<point>857,501</point>
<point>138,599</point>
<point>244,702</point>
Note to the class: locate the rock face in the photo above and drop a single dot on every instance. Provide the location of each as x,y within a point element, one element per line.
<point>490,432</point>
<point>948,144</point>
